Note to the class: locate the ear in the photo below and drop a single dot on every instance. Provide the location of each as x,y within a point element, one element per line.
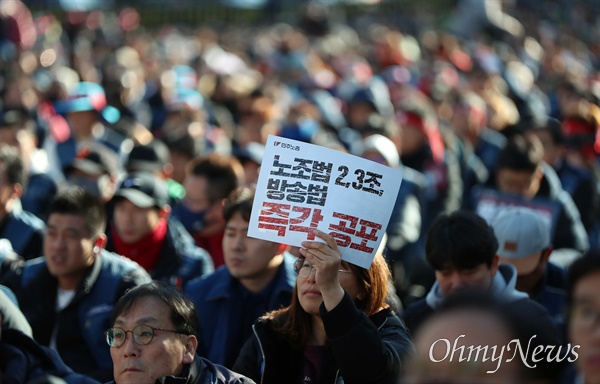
<point>100,243</point>
<point>494,265</point>
<point>167,171</point>
<point>281,248</point>
<point>539,173</point>
<point>17,190</point>
<point>164,212</point>
<point>190,344</point>
<point>546,254</point>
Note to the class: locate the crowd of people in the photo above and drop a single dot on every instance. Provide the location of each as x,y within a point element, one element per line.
<point>129,158</point>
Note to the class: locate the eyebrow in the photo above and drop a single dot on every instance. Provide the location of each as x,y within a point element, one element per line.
<point>143,320</point>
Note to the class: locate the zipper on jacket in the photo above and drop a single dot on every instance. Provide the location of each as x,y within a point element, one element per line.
<point>262,352</point>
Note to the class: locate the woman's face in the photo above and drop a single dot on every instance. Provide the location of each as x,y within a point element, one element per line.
<point>309,294</point>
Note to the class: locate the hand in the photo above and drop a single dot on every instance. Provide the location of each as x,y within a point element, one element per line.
<point>326,259</point>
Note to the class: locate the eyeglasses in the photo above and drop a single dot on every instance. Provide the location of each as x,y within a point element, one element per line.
<point>142,335</point>
<point>303,268</point>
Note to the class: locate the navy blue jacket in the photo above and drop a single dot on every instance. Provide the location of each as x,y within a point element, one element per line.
<point>80,326</point>
<point>219,307</point>
<point>25,232</point>
<point>179,260</point>
<point>22,360</point>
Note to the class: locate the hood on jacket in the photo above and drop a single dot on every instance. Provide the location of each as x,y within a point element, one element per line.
<point>502,288</point>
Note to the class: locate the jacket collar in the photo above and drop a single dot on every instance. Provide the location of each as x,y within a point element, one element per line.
<point>223,286</point>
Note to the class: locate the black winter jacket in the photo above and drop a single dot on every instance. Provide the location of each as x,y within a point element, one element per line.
<point>364,349</point>
<point>202,371</point>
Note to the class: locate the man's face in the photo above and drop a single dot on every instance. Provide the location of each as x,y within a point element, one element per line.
<point>530,269</point>
<point>165,355</point>
<point>197,199</point>
<point>584,326</point>
<point>68,247</point>
<point>246,257</point>
<point>21,139</point>
<point>132,222</point>
<point>522,183</point>
<point>452,279</point>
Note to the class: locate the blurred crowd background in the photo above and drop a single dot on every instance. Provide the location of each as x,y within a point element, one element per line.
<point>439,86</point>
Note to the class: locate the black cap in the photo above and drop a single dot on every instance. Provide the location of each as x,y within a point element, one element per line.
<point>144,190</point>
<point>149,157</point>
<point>95,159</point>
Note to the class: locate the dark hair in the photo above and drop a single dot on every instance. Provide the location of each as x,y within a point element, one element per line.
<point>76,201</point>
<point>461,240</point>
<point>240,200</point>
<point>183,311</point>
<point>583,266</point>
<point>296,325</point>
<point>521,153</point>
<point>553,127</point>
<point>224,174</point>
<point>182,143</point>
<point>13,164</point>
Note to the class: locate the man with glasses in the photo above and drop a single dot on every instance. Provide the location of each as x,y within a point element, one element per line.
<point>153,340</point>
<point>257,277</point>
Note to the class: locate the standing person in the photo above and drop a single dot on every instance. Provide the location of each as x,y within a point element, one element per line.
<point>207,182</point>
<point>337,325</point>
<point>24,230</point>
<point>143,232</point>
<point>153,340</point>
<point>583,301</point>
<point>68,294</point>
<point>257,277</point>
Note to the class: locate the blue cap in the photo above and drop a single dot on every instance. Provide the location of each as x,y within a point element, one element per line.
<point>88,96</point>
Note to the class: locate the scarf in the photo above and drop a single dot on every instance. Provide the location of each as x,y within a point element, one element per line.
<point>144,251</point>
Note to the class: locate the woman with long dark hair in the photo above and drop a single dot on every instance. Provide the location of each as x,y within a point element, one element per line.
<point>338,328</point>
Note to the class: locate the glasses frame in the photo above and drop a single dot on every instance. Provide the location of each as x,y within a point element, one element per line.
<point>299,264</point>
<point>136,337</point>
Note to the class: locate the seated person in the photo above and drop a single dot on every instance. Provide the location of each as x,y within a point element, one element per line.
<point>143,231</point>
<point>461,247</point>
<point>22,359</point>
<point>524,242</point>
<point>337,324</point>
<point>153,340</point>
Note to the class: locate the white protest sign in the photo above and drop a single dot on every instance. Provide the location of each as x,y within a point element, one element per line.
<point>303,186</point>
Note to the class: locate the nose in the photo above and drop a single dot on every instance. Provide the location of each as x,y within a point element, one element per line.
<point>239,242</point>
<point>130,347</point>
<point>312,274</point>
<point>56,242</point>
<point>456,282</point>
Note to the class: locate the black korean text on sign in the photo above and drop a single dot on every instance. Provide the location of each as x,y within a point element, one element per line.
<point>361,181</point>
<point>303,189</point>
<point>351,226</point>
<point>282,217</point>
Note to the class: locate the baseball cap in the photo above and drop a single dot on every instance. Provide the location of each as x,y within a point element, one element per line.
<point>88,96</point>
<point>521,233</point>
<point>144,190</point>
<point>95,159</point>
<point>149,157</point>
